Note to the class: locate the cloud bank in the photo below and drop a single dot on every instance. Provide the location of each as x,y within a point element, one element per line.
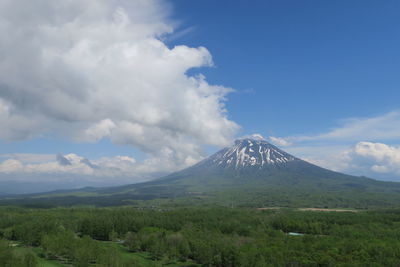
<point>32,173</point>
<point>340,149</point>
<point>87,70</point>
<point>106,170</point>
<point>367,157</point>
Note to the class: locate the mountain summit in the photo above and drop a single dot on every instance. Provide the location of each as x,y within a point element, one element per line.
<point>249,153</point>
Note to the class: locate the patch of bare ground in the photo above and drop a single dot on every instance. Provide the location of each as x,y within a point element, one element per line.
<point>312,209</point>
<point>327,210</point>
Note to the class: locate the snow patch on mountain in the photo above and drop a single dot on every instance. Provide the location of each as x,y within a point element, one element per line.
<point>250,153</point>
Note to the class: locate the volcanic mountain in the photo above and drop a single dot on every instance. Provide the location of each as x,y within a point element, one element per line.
<point>257,162</point>
<point>252,172</point>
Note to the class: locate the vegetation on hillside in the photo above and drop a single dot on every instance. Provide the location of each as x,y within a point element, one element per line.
<point>254,196</point>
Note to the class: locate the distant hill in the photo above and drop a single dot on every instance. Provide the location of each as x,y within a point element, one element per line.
<point>250,173</point>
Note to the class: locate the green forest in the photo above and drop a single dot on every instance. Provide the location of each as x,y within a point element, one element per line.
<point>207,236</point>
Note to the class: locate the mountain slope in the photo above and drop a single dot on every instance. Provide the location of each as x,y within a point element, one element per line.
<point>257,162</point>
<point>250,173</point>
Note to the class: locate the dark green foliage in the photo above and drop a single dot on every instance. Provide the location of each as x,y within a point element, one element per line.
<point>208,236</point>
<point>31,232</point>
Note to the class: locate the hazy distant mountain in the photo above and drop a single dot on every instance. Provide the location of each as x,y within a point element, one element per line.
<point>250,173</point>
<point>10,187</point>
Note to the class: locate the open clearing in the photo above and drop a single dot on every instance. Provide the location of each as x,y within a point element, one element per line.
<point>311,209</point>
<point>328,210</point>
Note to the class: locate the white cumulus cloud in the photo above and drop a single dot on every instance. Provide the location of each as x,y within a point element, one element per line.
<point>374,157</point>
<point>279,141</point>
<point>87,70</point>
<point>10,166</point>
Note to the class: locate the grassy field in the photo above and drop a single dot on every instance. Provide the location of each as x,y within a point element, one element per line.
<point>48,263</point>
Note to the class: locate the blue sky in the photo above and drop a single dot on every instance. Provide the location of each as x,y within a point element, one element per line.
<point>318,78</point>
<point>308,63</point>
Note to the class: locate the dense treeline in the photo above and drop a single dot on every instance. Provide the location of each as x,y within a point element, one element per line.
<point>208,236</point>
<point>11,257</point>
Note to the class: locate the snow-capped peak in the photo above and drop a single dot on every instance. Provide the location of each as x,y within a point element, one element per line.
<point>250,153</point>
